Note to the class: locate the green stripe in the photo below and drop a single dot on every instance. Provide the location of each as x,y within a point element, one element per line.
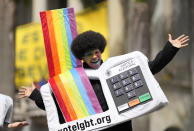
<point>76,94</point>
<point>64,39</point>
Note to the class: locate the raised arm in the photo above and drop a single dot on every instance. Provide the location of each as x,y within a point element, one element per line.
<point>167,53</point>
<point>179,42</point>
<point>33,93</point>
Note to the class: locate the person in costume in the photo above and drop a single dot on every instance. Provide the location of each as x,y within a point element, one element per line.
<point>89,46</point>
<point>6,110</point>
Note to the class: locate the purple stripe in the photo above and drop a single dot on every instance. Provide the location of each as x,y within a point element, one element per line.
<point>73,27</point>
<point>72,22</point>
<point>89,90</point>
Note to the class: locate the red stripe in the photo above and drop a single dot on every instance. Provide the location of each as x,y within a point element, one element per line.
<point>47,43</point>
<point>60,100</point>
<point>65,97</point>
<point>53,43</point>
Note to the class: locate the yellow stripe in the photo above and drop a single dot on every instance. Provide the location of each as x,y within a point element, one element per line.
<point>71,96</point>
<point>76,93</point>
<point>58,38</point>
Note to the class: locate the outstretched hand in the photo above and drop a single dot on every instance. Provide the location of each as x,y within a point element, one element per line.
<point>26,91</point>
<point>179,42</point>
<point>18,124</point>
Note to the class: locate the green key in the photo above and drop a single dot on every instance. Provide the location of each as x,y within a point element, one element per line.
<point>144,97</point>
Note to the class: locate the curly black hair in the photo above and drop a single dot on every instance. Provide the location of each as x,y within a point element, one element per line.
<point>87,41</point>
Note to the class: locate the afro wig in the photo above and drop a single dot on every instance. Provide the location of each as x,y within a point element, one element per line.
<point>87,41</point>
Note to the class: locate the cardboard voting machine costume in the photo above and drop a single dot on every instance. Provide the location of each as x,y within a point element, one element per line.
<point>129,87</point>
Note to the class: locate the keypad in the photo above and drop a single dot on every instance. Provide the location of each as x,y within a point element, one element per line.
<point>133,71</point>
<point>131,94</point>
<point>126,81</point>
<point>129,89</point>
<point>138,83</point>
<point>114,79</point>
<point>123,75</point>
<point>135,77</point>
<point>116,86</point>
<point>119,92</point>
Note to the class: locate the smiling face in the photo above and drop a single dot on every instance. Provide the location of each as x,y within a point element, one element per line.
<point>93,58</point>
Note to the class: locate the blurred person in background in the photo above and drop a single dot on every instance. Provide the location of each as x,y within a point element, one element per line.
<point>6,110</point>
<point>88,47</point>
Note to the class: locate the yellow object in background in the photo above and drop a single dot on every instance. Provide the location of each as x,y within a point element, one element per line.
<point>95,19</point>
<point>30,56</point>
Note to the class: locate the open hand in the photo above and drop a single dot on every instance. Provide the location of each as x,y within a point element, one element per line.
<point>18,124</point>
<point>26,91</point>
<point>179,42</point>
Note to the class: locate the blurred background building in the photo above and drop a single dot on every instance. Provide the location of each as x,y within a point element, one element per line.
<point>132,25</point>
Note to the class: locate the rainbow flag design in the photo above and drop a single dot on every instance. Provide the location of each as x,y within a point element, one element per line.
<point>68,80</point>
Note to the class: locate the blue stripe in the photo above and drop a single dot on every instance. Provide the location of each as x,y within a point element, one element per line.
<point>82,91</point>
<point>69,36</point>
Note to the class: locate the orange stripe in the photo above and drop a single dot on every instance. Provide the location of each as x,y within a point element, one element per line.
<point>55,56</point>
<point>65,98</point>
<point>60,100</point>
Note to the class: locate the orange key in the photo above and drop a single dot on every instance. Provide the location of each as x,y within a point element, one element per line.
<point>134,102</point>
